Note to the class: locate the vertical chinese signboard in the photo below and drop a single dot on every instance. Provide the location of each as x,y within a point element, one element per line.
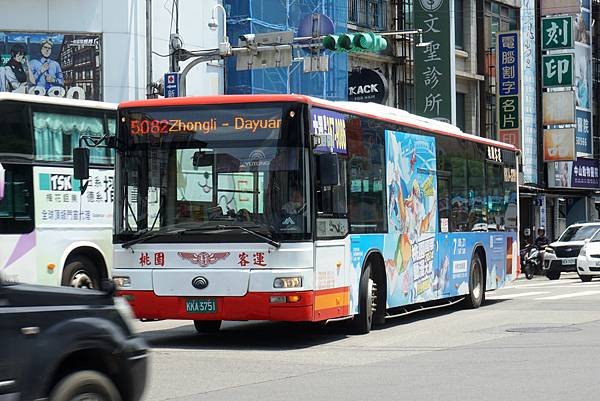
<point>529,141</point>
<point>583,79</point>
<point>434,63</point>
<point>507,92</point>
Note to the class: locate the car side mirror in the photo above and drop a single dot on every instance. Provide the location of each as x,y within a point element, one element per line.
<point>81,163</point>
<point>328,169</point>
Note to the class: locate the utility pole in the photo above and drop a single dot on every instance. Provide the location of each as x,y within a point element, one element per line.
<point>175,42</point>
<point>149,82</point>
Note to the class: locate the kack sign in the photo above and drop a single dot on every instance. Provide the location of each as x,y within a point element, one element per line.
<point>367,85</point>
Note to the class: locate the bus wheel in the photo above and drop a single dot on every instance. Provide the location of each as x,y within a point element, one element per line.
<point>367,298</point>
<point>476,284</point>
<point>207,326</point>
<point>80,272</point>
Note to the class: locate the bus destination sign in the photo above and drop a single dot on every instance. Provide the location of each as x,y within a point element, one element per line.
<point>205,126</point>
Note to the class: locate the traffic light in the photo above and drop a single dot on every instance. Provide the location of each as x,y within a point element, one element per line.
<point>355,42</point>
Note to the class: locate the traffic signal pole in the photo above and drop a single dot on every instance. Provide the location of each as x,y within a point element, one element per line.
<point>279,47</point>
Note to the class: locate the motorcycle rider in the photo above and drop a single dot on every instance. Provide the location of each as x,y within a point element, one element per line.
<point>541,241</point>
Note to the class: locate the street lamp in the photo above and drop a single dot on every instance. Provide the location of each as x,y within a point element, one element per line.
<point>214,24</point>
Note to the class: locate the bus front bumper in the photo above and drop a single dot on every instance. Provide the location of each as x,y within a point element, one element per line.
<point>278,306</point>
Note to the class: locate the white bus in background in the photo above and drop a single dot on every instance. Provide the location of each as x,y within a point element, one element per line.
<point>49,232</point>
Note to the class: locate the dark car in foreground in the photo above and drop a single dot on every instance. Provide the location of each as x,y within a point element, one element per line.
<point>63,343</point>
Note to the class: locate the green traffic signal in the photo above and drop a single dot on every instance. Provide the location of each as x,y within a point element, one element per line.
<point>330,42</point>
<point>355,42</point>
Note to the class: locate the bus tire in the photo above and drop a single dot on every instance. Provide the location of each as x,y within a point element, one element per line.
<point>363,321</point>
<point>476,285</point>
<point>207,326</point>
<point>81,272</point>
<point>85,384</point>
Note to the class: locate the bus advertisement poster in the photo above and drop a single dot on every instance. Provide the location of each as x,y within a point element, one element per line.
<point>51,64</point>
<point>59,201</point>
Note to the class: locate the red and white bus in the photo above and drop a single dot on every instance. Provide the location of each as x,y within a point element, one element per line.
<point>291,208</point>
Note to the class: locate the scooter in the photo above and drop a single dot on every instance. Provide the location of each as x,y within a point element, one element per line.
<point>530,260</point>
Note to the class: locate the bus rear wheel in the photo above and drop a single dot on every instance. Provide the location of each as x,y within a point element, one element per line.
<point>207,326</point>
<point>80,272</point>
<point>476,284</point>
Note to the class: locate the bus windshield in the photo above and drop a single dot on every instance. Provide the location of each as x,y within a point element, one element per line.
<point>201,168</point>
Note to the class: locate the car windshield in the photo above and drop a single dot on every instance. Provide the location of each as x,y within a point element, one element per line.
<point>578,233</point>
<point>203,168</point>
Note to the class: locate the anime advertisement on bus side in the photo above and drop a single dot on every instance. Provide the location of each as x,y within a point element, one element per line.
<point>409,249</point>
<point>51,64</point>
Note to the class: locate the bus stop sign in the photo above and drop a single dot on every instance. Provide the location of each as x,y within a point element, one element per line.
<point>171,84</point>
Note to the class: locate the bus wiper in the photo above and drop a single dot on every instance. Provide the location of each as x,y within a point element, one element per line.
<point>147,235</point>
<point>254,233</point>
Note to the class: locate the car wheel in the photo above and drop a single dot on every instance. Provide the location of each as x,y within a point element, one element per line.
<point>207,326</point>
<point>585,279</point>
<point>553,275</point>
<point>81,272</point>
<point>476,284</point>
<point>85,385</point>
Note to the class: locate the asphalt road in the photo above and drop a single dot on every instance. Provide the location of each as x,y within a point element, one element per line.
<point>534,340</point>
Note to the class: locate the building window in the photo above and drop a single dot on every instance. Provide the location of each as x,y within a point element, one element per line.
<point>498,18</point>
<point>459,24</point>
<point>368,13</point>
<point>353,11</point>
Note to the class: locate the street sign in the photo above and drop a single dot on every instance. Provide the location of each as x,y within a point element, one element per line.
<point>557,33</point>
<point>557,70</point>
<point>171,84</point>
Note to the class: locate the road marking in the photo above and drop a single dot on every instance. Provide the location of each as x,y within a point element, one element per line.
<point>572,295</point>
<point>517,295</point>
<point>536,284</point>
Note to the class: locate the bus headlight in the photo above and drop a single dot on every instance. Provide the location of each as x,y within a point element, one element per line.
<point>122,282</point>
<point>287,282</point>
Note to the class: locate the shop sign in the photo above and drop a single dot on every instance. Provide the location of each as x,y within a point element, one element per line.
<point>366,85</point>
<point>557,70</point>
<point>558,107</point>
<point>559,144</point>
<point>582,173</point>
<point>583,138</point>
<point>508,101</point>
<point>434,63</point>
<point>557,33</point>
<point>549,7</point>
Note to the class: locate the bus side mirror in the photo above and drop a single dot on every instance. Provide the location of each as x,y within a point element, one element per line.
<point>328,169</point>
<point>81,163</point>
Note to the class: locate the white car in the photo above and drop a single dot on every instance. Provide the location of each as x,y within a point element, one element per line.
<point>588,261</point>
<point>562,255</point>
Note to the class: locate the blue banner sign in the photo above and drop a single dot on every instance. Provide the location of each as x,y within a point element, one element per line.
<point>329,124</point>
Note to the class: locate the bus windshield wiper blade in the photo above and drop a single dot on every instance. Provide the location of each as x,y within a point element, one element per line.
<point>146,235</point>
<point>254,233</point>
<point>149,234</point>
